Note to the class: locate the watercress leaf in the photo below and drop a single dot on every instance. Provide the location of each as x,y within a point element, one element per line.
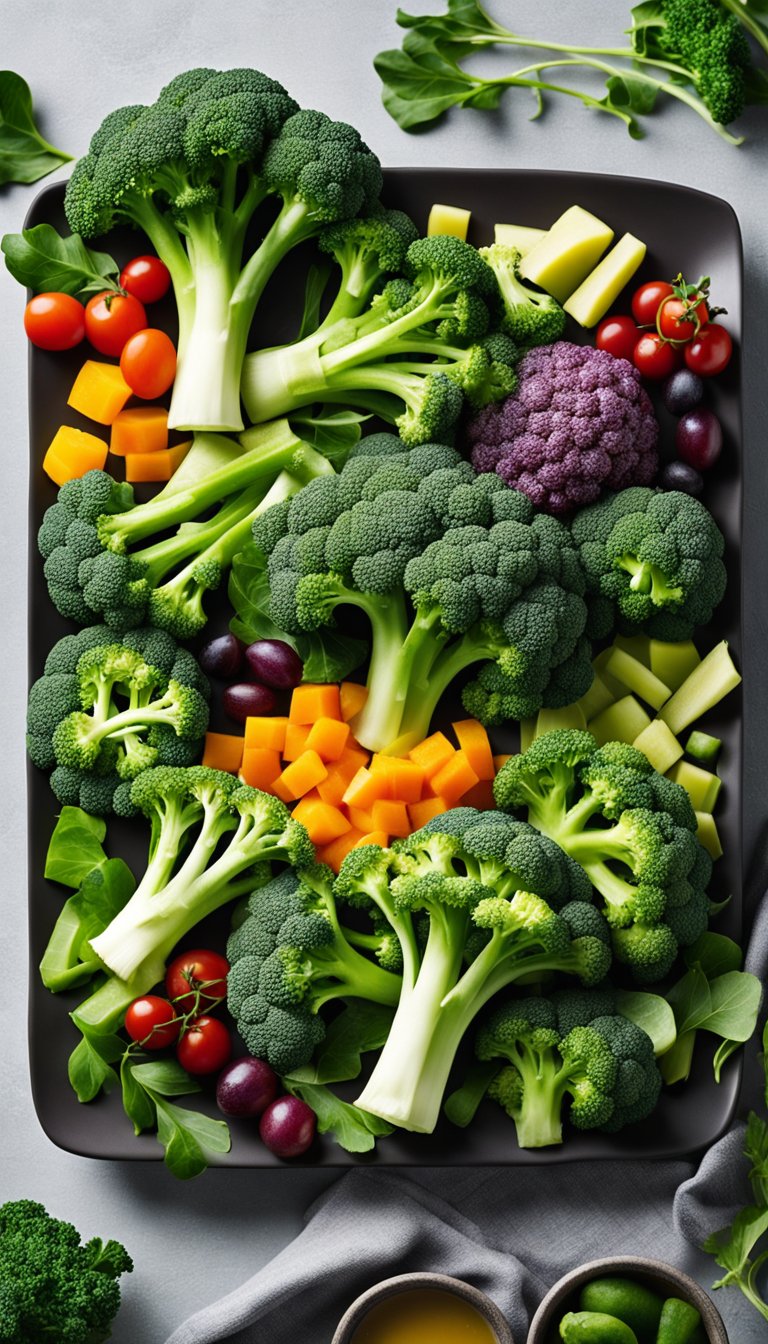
<point>420,87</point>
<point>652,1013</point>
<point>75,847</point>
<point>691,1000</point>
<point>189,1139</point>
<point>43,260</point>
<point>359,1027</point>
<point>354,1130</point>
<point>735,1004</point>
<point>24,155</point>
<point>714,954</point>
<point>166,1077</point>
<point>89,1068</point>
<point>137,1102</point>
<point>461,1106</point>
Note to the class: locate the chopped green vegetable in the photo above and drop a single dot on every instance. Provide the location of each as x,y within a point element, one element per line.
<point>659,745</point>
<point>638,678</point>
<point>708,684</point>
<point>672,663</point>
<point>623,721</point>
<point>701,786</point>
<point>703,747</point>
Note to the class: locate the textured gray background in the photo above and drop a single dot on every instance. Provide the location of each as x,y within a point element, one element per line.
<point>84,57</point>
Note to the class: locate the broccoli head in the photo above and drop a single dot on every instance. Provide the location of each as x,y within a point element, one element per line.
<point>656,557</point>
<point>531,317</point>
<point>708,45</point>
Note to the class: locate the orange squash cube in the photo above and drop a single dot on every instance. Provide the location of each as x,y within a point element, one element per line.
<point>265,731</point>
<point>223,751</point>
<point>473,741</point>
<point>323,822</point>
<point>455,778</point>
<point>372,838</point>
<point>432,754</point>
<point>142,429</point>
<point>352,698</point>
<point>159,466</point>
<point>363,790</point>
<point>296,735</point>
<point>99,392</point>
<point>260,768</point>
<point>72,452</point>
<point>310,702</point>
<point>335,853</point>
<point>479,796</point>
<point>391,816</point>
<point>328,737</point>
<point>300,776</point>
<point>421,813</point>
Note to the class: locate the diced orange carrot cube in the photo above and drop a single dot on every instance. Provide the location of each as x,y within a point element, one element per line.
<point>480,796</point>
<point>354,753</point>
<point>372,838</point>
<point>265,731</point>
<point>391,816</point>
<point>99,391</point>
<point>328,737</point>
<point>310,702</point>
<point>361,820</point>
<point>323,822</point>
<point>404,780</point>
<point>142,429</point>
<point>421,813</point>
<point>432,754</point>
<point>454,779</point>
<point>340,774</point>
<point>223,751</point>
<point>296,735</point>
<point>363,790</point>
<point>352,697</point>
<point>300,776</point>
<point>498,761</point>
<point>473,741</point>
<point>260,768</point>
<point>335,853</point>
<point>158,466</point>
<point>72,452</point>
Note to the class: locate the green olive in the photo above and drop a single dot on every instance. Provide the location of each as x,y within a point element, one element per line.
<point>679,1322</point>
<point>595,1327</point>
<point>631,1301</point>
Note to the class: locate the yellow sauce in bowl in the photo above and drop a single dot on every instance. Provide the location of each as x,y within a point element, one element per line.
<point>424,1316</point>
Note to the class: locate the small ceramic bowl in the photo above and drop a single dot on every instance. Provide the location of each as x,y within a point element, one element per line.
<point>655,1274</point>
<point>354,1316</point>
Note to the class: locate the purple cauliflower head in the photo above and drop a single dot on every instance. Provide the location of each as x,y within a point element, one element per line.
<point>580,422</point>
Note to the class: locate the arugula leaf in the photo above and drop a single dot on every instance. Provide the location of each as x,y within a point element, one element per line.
<point>43,260</point>
<point>75,847</point>
<point>359,1028</point>
<point>24,155</point>
<point>354,1130</point>
<point>189,1139</point>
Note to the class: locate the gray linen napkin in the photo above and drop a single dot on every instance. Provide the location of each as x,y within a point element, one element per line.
<point>510,1231</point>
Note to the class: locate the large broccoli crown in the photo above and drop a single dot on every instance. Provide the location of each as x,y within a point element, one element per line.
<point>369,247</point>
<point>54,1286</point>
<point>633,832</point>
<point>711,43</point>
<point>324,164</point>
<point>531,317</point>
<point>656,556</point>
<point>579,422</point>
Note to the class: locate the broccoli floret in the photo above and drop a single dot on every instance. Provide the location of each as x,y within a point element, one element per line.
<point>709,47</point>
<point>104,710</point>
<point>569,1055</point>
<point>485,927</point>
<point>656,556</point>
<point>292,954</point>
<point>190,171</point>
<point>489,581</point>
<point>420,342</point>
<point>531,317</point>
<point>96,566</point>
<point>366,251</point>
<point>52,1285</point>
<point>632,831</point>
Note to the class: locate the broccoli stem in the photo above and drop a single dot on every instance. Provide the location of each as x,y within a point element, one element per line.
<point>194,539</point>
<point>648,578</point>
<point>539,1123</point>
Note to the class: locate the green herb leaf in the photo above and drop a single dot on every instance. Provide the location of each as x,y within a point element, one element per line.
<point>359,1028</point>
<point>735,1005</point>
<point>43,260</point>
<point>652,1013</point>
<point>332,433</point>
<point>89,1067</point>
<point>328,656</point>
<point>714,954</point>
<point>420,88</point>
<point>354,1130</point>
<point>75,847</point>
<point>722,1054</point>
<point>137,1102</point>
<point>166,1077</point>
<point>24,155</point>
<point>189,1139</point>
<point>461,1106</point>
<point>68,960</point>
<point>691,1000</point>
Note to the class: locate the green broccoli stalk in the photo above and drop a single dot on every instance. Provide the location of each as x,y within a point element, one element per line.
<point>504,930</point>
<point>54,1286</point>
<point>190,171</point>
<point>531,317</point>
<point>632,830</point>
<point>95,565</point>
<point>366,252</point>
<point>289,957</point>
<point>572,1051</point>
<point>421,341</point>
<point>450,570</point>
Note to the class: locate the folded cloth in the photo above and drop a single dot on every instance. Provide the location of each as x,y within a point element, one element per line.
<point>511,1231</point>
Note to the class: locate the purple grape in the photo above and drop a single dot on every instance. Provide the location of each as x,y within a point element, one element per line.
<point>275,663</point>
<point>246,1087</point>
<point>679,476</point>
<point>247,698</point>
<point>287,1127</point>
<point>221,657</point>
<point>682,391</point>
<point>699,438</point>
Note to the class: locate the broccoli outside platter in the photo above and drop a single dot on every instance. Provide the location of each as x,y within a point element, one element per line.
<point>446,508</point>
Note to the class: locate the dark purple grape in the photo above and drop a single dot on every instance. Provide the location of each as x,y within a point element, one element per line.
<point>246,1087</point>
<point>221,657</point>
<point>682,391</point>
<point>275,663</point>
<point>247,698</point>
<point>679,476</point>
<point>287,1127</point>
<point>699,438</point>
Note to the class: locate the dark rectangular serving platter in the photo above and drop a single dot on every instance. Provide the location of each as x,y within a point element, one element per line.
<point>681,227</point>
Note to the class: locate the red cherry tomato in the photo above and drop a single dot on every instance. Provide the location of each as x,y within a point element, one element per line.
<point>618,336</point>
<point>110,319</point>
<point>647,299</point>
<point>205,1047</point>
<point>146,278</point>
<point>671,321</point>
<point>54,321</point>
<point>152,1021</point>
<point>148,363</point>
<point>654,357</point>
<point>190,970</point>
<point>709,352</point>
